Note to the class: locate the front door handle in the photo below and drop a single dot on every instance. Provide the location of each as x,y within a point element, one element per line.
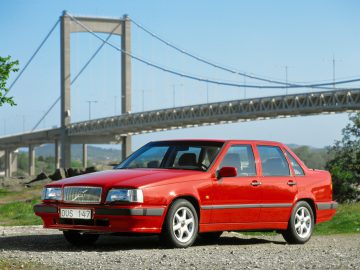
<point>255,183</point>
<point>291,183</point>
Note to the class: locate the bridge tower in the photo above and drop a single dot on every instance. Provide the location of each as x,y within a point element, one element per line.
<point>69,24</point>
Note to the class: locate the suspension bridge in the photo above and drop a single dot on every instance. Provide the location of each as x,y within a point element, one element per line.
<point>120,128</point>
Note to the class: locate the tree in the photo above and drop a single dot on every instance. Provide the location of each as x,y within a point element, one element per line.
<point>6,67</point>
<point>345,165</point>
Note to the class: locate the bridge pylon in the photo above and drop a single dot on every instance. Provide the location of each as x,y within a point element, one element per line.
<point>72,24</point>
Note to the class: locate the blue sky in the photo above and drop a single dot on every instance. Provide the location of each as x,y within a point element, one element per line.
<point>258,37</point>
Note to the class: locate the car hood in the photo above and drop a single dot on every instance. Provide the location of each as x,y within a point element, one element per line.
<point>131,178</point>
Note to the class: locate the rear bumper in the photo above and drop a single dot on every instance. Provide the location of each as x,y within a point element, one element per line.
<point>325,211</point>
<point>104,218</point>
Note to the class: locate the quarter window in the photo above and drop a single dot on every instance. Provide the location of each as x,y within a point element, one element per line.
<point>242,158</point>
<point>296,166</point>
<point>273,161</point>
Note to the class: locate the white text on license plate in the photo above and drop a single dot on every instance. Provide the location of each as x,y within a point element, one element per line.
<point>75,213</point>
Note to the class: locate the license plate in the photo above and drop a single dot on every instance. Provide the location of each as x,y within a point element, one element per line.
<point>75,213</point>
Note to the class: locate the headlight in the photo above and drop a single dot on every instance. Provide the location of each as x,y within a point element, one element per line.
<point>51,194</point>
<point>125,195</point>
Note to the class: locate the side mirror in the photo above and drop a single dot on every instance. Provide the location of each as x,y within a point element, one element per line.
<point>227,172</point>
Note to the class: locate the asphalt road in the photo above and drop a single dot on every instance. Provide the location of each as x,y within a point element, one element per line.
<point>232,251</point>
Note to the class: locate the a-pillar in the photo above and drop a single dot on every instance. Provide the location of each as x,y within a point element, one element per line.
<point>31,160</point>
<point>57,154</point>
<point>85,155</point>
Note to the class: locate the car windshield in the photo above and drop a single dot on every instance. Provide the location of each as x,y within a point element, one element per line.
<point>184,155</point>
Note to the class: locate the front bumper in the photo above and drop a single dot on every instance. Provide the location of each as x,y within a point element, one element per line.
<point>113,219</point>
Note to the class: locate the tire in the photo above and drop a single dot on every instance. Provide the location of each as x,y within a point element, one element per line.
<point>181,225</point>
<point>80,239</point>
<point>210,237</point>
<point>301,224</point>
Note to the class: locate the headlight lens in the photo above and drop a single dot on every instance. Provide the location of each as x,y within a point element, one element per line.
<point>125,195</point>
<point>51,194</point>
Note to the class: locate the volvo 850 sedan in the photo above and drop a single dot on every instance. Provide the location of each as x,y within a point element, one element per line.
<point>188,188</point>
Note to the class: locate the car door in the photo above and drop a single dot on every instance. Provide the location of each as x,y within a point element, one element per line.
<point>236,199</point>
<point>278,184</point>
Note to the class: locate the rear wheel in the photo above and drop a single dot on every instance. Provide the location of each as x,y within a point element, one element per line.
<point>77,238</point>
<point>181,225</point>
<point>301,224</point>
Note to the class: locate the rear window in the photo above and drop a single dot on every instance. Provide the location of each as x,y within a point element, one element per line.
<point>273,161</point>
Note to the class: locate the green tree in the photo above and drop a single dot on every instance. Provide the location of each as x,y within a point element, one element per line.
<point>345,165</point>
<point>6,67</point>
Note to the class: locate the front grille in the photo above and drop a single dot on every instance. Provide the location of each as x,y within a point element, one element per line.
<point>83,195</point>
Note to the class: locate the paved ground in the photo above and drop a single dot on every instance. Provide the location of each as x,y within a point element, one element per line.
<point>232,251</point>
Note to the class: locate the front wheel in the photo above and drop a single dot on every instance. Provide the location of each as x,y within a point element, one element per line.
<point>301,224</point>
<point>181,225</point>
<point>80,239</point>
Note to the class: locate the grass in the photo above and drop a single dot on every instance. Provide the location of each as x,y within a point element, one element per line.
<point>7,264</point>
<point>19,194</point>
<point>19,213</point>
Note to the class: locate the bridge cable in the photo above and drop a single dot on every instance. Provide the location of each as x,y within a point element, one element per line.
<point>218,66</point>
<point>33,56</point>
<point>209,80</point>
<point>73,80</point>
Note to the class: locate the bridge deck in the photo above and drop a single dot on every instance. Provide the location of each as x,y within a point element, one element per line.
<point>112,128</point>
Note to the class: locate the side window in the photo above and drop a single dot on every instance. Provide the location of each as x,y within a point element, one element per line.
<point>273,161</point>
<point>296,166</point>
<point>242,158</point>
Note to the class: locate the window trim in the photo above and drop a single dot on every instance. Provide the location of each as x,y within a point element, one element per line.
<point>254,156</point>
<point>289,156</point>
<point>281,150</point>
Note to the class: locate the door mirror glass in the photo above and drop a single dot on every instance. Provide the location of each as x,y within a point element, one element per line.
<point>227,172</point>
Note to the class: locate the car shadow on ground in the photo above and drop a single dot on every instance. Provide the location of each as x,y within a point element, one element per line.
<point>41,243</point>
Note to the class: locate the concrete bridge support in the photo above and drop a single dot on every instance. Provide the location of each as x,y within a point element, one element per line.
<point>70,25</point>
<point>31,160</point>
<point>10,162</point>
<point>84,155</point>
<point>57,154</point>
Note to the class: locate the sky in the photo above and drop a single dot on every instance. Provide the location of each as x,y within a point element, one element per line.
<point>255,37</point>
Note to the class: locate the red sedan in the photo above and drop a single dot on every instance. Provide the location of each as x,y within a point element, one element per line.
<point>188,188</point>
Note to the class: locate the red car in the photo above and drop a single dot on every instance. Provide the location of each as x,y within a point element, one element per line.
<point>188,188</point>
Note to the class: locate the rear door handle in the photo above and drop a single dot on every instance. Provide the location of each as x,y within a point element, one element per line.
<point>255,183</point>
<point>291,183</point>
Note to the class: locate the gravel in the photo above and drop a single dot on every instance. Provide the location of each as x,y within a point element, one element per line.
<point>232,251</point>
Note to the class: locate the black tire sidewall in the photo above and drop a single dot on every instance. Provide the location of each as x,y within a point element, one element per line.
<point>168,233</point>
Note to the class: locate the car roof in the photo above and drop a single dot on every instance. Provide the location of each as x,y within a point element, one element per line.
<point>223,141</point>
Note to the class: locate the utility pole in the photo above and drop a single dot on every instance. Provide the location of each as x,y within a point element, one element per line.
<point>245,86</point>
<point>115,104</point>
<point>286,79</point>
<point>333,63</point>
<point>90,101</point>
<point>173,86</point>
<point>143,100</point>
<point>207,92</point>
<point>4,126</point>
